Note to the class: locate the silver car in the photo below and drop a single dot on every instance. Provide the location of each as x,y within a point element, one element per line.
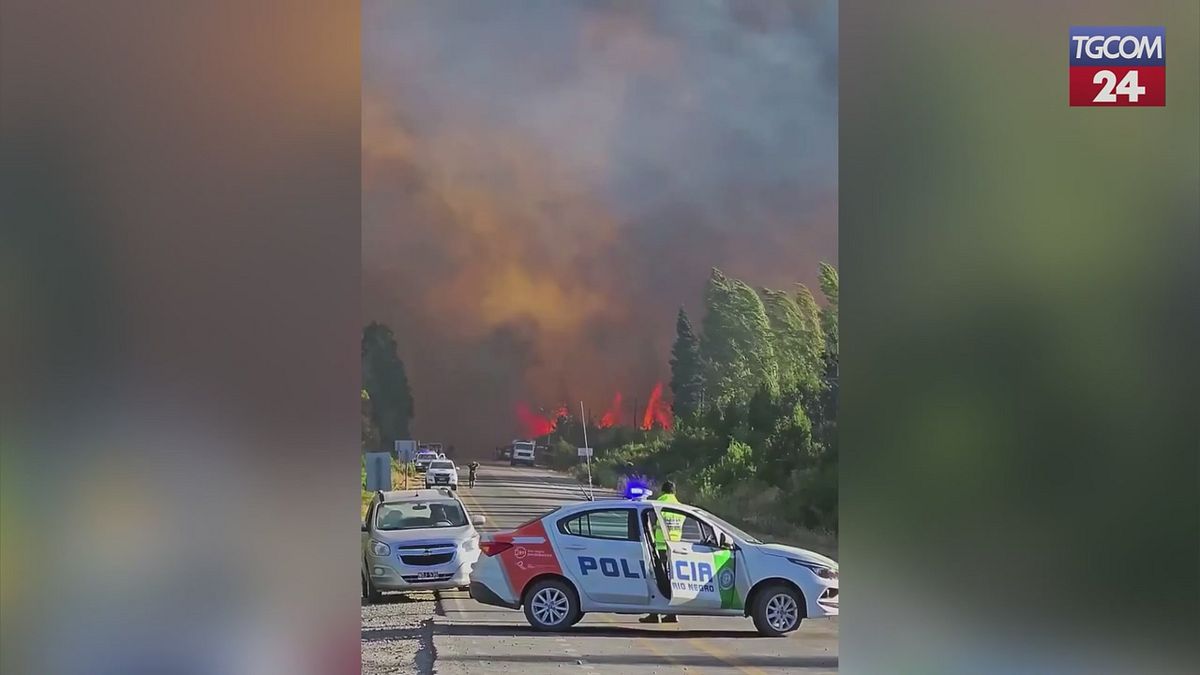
<point>417,540</point>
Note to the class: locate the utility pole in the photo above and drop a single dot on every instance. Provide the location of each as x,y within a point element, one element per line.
<point>587,453</point>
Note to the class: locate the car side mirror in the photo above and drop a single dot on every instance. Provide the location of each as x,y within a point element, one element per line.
<point>478,520</point>
<point>723,541</point>
<point>364,527</point>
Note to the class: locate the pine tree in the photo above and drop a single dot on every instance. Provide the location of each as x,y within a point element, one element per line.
<point>386,384</point>
<point>369,432</point>
<point>687,372</point>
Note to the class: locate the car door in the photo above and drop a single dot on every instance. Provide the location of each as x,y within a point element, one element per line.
<point>602,553</point>
<point>701,572</point>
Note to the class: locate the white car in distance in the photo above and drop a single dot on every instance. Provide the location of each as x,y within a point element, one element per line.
<point>442,473</point>
<point>522,453</point>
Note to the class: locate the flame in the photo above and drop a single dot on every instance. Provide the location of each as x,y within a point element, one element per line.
<point>658,412</point>
<point>533,424</point>
<point>612,416</point>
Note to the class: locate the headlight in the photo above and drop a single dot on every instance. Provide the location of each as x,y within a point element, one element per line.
<point>380,549</point>
<point>822,571</point>
<point>470,544</point>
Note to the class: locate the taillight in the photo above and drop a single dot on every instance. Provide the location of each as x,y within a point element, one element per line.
<point>491,548</point>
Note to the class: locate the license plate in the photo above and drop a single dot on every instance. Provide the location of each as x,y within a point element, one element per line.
<point>441,480</point>
<point>427,575</point>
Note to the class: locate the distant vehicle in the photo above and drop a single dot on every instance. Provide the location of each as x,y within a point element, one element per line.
<point>424,457</point>
<point>522,453</point>
<point>602,556</point>
<point>441,473</point>
<point>417,540</point>
<point>504,452</point>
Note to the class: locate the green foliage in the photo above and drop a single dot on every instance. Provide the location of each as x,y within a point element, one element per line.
<point>386,384</point>
<point>797,353</point>
<point>757,443</point>
<point>736,344</point>
<point>687,370</point>
<point>829,315</point>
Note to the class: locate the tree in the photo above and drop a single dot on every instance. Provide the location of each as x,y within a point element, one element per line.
<point>829,315</point>
<point>798,346</point>
<point>810,314</point>
<point>687,370</point>
<point>386,384</point>
<point>736,344</point>
<point>826,415</point>
<point>370,432</point>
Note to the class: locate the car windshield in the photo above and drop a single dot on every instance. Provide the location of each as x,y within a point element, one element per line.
<point>419,515</point>
<point>737,532</point>
<point>441,465</point>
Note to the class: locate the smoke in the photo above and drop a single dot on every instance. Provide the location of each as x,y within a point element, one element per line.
<point>543,187</point>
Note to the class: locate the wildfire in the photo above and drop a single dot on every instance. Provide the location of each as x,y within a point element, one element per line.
<point>658,411</point>
<point>612,416</point>
<point>534,424</point>
<point>656,414</point>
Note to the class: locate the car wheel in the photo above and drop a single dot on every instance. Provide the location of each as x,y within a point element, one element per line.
<point>551,605</point>
<point>578,617</point>
<point>371,593</point>
<point>777,610</point>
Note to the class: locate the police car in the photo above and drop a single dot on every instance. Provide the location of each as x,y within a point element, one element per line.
<point>601,556</point>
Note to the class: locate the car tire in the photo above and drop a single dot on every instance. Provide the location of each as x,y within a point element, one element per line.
<point>551,605</point>
<point>777,611</point>
<point>370,593</point>
<point>578,617</point>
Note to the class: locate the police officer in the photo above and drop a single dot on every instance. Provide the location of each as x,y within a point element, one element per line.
<point>674,525</point>
<point>472,468</point>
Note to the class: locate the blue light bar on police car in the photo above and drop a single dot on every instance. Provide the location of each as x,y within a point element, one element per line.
<point>637,491</point>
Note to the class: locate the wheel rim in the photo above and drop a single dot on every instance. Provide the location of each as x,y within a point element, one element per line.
<point>550,606</point>
<point>782,612</point>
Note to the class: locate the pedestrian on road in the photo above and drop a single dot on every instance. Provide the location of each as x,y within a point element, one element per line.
<point>674,525</point>
<point>472,468</point>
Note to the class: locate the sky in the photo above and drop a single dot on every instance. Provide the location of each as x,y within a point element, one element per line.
<point>546,183</point>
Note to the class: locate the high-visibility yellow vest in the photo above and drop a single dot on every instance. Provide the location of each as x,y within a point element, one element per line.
<point>673,522</point>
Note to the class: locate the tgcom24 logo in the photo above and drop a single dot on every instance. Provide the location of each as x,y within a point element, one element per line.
<point>1118,66</point>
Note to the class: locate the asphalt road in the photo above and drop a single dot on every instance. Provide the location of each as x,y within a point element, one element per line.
<point>448,633</point>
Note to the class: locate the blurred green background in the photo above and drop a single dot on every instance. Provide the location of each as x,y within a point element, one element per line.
<point>1019,323</point>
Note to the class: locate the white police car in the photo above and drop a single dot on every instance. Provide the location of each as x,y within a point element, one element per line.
<point>600,557</point>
